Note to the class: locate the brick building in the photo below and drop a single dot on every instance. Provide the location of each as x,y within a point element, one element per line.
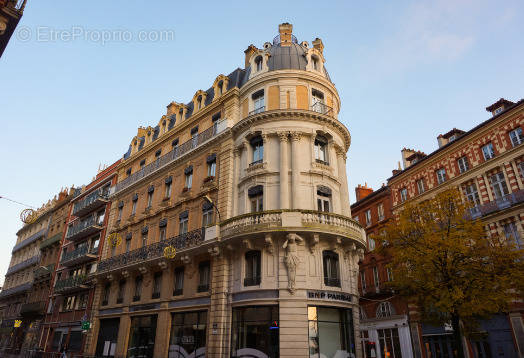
<point>383,315</point>
<point>486,164</point>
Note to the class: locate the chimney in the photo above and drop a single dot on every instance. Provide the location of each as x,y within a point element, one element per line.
<point>317,43</point>
<point>499,106</point>
<point>406,152</point>
<point>251,49</point>
<point>285,30</point>
<point>362,191</point>
<point>450,136</point>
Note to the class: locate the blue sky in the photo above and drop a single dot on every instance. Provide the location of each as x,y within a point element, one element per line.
<point>406,71</point>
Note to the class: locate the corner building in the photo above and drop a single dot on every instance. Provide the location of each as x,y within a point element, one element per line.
<point>247,182</point>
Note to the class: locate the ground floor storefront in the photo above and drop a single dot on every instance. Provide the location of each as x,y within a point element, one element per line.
<point>268,329</point>
<point>386,337</point>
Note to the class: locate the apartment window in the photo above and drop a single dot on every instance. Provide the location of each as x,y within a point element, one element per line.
<point>168,186</point>
<point>403,195</point>
<point>472,195</point>
<point>380,211</point>
<point>183,222</point>
<point>150,192</point>
<point>128,242</point>
<point>371,243</point>
<point>385,310</point>
<point>257,147</point>
<point>194,137</point>
<point>100,217</point>
<point>120,210</point>
<point>367,213</point>
<point>487,151</point>
<point>258,62</point>
<point>145,233</point>
<point>157,285</point>
<point>331,268</point>
<point>521,169</point>
<point>317,99</point>
<point>174,145</point>
<point>189,177</point>
<point>82,301</point>
<point>215,119</point>
<point>158,153</point>
<point>69,303</point>
<point>376,278</point>
<point>128,171</point>
<point>161,233</point>
<point>462,163</point>
<point>179,281</point>
<point>121,291</point>
<point>203,276</point>
<point>133,208</point>
<point>256,198</point>
<point>389,272</point>
<point>258,102</point>
<point>105,297</point>
<point>252,274</point>
<point>516,136</point>
<point>321,153</point>
<point>441,175</point>
<point>498,185</point>
<point>211,165</point>
<point>207,214</point>
<point>323,198</point>
<point>356,219</point>
<point>512,234</point>
<point>138,288</point>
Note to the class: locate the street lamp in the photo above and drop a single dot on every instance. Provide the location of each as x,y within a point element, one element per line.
<point>208,199</point>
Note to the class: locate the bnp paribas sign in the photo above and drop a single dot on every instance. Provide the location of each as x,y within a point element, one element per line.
<point>329,296</point>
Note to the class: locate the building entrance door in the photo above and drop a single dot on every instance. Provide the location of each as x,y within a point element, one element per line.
<point>107,337</point>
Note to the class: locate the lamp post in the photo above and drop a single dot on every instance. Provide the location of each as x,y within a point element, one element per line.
<point>208,199</point>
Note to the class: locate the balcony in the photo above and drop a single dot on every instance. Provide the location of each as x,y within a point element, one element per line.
<point>257,110</point>
<point>293,220</point>
<point>251,281</point>
<point>82,228</point>
<point>71,284</point>
<point>203,288</point>
<point>151,252</point>
<point>32,309</point>
<point>23,265</point>
<point>322,108</point>
<point>43,273</point>
<point>332,282</point>
<point>91,202</point>
<point>78,256</point>
<point>178,152</point>
<point>51,241</point>
<point>498,204</point>
<point>29,240</point>
<point>16,290</point>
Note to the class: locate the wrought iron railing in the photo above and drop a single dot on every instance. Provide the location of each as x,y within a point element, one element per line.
<point>81,251</point>
<point>153,251</point>
<point>29,240</point>
<point>252,281</point>
<point>322,108</point>
<point>277,40</point>
<point>43,272</point>
<point>81,225</point>
<point>24,264</point>
<point>17,289</point>
<point>101,193</point>
<point>70,282</point>
<point>258,110</point>
<point>176,153</point>
<point>498,204</point>
<point>32,307</point>
<point>333,282</point>
<point>51,240</point>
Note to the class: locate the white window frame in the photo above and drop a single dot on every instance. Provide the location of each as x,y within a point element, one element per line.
<point>385,309</point>
<point>463,164</point>
<point>403,195</point>
<point>471,193</point>
<point>189,180</point>
<point>512,233</point>
<point>168,190</point>
<point>376,277</point>
<point>499,186</point>
<point>487,151</point>
<point>367,214</point>
<point>516,136</point>
<point>380,212</point>
<point>183,226</point>
<point>441,175</point>
<point>420,186</point>
<point>259,104</point>
<point>371,243</point>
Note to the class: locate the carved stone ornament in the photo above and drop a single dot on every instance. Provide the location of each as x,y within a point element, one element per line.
<point>291,259</point>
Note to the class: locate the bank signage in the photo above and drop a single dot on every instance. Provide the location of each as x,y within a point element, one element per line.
<point>329,296</point>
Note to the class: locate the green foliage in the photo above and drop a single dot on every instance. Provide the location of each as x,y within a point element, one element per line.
<point>447,262</point>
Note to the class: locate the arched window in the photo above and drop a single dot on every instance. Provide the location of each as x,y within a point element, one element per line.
<point>385,309</point>
<point>258,62</point>
<point>220,88</point>
<point>252,274</point>
<point>331,268</point>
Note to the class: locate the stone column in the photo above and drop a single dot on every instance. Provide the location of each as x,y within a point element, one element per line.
<point>163,329</point>
<point>284,171</point>
<point>236,177</point>
<point>295,139</point>
<point>344,194</point>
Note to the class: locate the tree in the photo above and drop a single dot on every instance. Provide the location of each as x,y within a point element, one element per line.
<point>449,265</point>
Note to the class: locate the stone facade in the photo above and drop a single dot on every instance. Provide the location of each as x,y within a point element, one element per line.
<point>231,221</point>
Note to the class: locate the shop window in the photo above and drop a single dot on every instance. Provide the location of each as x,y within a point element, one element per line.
<point>252,274</point>
<point>142,336</point>
<point>257,147</point>
<point>255,332</point>
<point>75,341</point>
<point>498,185</point>
<point>183,222</point>
<point>121,291</point>
<point>157,285</point>
<point>138,288</point>
<point>441,175</point>
<point>256,198</point>
<point>207,214</point>
<point>321,150</point>
<point>516,137</point>
<point>488,152</point>
<point>179,281</point>
<point>331,268</point>
<point>188,334</point>
<point>258,102</point>
<point>203,276</point>
<point>331,332</point>
<point>105,297</point>
<point>385,309</point>
<point>390,342</point>
<point>463,164</point>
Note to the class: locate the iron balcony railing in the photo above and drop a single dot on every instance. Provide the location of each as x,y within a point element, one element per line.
<point>258,110</point>
<point>174,154</point>
<point>77,253</point>
<point>85,226</point>
<point>277,40</point>
<point>41,273</point>
<point>252,281</point>
<point>16,290</point>
<point>498,204</point>
<point>322,108</point>
<point>51,240</point>
<point>152,251</point>
<point>70,283</point>
<point>23,265</point>
<point>29,240</point>
<point>32,308</point>
<point>91,201</point>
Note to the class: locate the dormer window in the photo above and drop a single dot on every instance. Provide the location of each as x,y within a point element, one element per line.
<point>258,62</point>
<point>315,61</point>
<point>220,88</point>
<point>498,110</point>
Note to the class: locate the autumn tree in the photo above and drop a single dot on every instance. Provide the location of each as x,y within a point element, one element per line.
<point>449,265</point>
